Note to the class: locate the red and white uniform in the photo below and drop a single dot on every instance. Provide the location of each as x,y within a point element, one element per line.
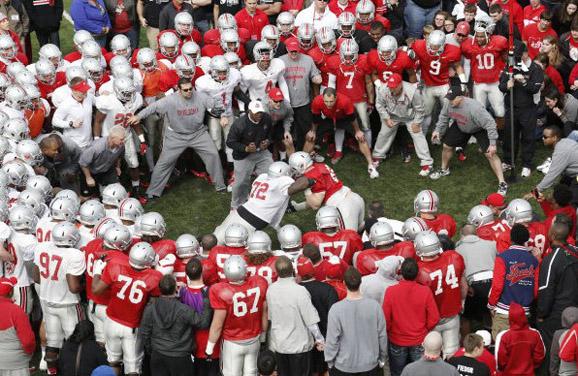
<point>195,36</point>
<point>321,60</point>
<point>265,270</point>
<point>384,21</point>
<point>20,57</point>
<point>442,224</point>
<point>47,90</point>
<point>212,50</point>
<point>492,231</point>
<point>44,229</point>
<point>365,260</point>
<point>219,255</point>
<point>325,180</point>
<point>383,70</point>
<point>343,244</point>
<point>21,246</point>
<point>533,38</point>
<point>487,63</point>
<point>435,69</point>
<point>538,237</point>
<point>213,36</point>
<point>170,79</point>
<point>350,79</point>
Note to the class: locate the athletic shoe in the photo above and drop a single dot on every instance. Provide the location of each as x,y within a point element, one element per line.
<point>317,158</point>
<point>337,157</point>
<point>439,174</point>
<point>373,174</point>
<point>222,191</point>
<point>526,172</point>
<point>377,162</point>
<point>406,157</point>
<point>461,155</point>
<point>426,170</point>
<point>506,167</point>
<point>545,165</point>
<point>503,188</point>
<point>199,174</point>
<point>472,140</point>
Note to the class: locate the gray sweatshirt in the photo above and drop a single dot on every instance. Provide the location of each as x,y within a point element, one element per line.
<point>298,75</point>
<point>284,114</point>
<point>470,117</point>
<point>479,255</point>
<point>407,108</point>
<point>356,338</point>
<point>429,367</point>
<point>374,285</point>
<point>564,160</point>
<point>185,116</point>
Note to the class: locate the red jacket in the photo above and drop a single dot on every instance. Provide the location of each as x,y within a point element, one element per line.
<point>516,346</point>
<point>254,24</point>
<point>569,348</point>
<point>16,335</point>
<point>410,313</point>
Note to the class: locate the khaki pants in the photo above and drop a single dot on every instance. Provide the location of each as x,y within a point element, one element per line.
<point>152,34</point>
<point>500,322</point>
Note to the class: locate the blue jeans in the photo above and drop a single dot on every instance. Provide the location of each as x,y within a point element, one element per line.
<point>133,36</point>
<point>400,356</point>
<point>417,17</point>
<point>202,26</point>
<point>101,40</point>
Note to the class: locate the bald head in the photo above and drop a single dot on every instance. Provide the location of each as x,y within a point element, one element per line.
<point>432,344</point>
<point>468,230</point>
<point>558,232</point>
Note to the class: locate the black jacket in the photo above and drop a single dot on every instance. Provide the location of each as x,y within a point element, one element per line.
<point>503,28</point>
<point>167,15</point>
<point>129,5</point>
<point>43,17</point>
<point>167,326</point>
<point>244,131</point>
<point>91,357</point>
<point>523,94</point>
<point>323,296</point>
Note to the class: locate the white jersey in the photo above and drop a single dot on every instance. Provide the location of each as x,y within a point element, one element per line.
<point>21,246</point>
<point>394,223</point>
<point>86,235</point>
<point>13,195</point>
<point>268,199</point>
<point>259,82</point>
<point>293,256</point>
<point>54,263</point>
<point>222,93</point>
<point>44,229</point>
<point>113,214</point>
<point>116,112</point>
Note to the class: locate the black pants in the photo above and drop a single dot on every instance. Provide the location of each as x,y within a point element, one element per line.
<point>303,118</point>
<point>547,329</point>
<point>103,178</point>
<point>476,305</point>
<point>204,368</point>
<point>524,134</point>
<point>293,364</point>
<point>335,372</point>
<point>45,38</point>
<point>162,365</point>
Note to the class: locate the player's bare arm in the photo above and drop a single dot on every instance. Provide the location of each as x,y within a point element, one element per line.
<point>264,317</point>
<point>464,287</point>
<point>74,284</point>
<point>314,200</point>
<point>370,91</point>
<point>301,184</point>
<point>412,76</point>
<point>5,255</point>
<point>97,127</point>
<point>36,275</point>
<point>219,316</point>
<point>98,286</point>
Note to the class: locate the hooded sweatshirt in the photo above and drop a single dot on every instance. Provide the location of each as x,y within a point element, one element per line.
<point>569,318</point>
<point>373,286</point>
<point>569,346</point>
<point>517,345</point>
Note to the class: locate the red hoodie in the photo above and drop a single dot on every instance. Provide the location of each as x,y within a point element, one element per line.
<point>569,348</point>
<point>517,345</point>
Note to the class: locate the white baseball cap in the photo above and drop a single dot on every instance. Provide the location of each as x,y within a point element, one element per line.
<point>486,336</point>
<point>256,106</point>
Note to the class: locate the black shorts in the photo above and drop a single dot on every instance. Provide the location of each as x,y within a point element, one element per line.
<point>327,125</point>
<point>476,306</point>
<point>278,132</point>
<point>456,138</point>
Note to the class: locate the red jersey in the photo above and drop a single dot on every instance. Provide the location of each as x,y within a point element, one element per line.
<point>47,90</point>
<point>337,9</point>
<point>487,63</point>
<point>92,252</point>
<point>105,78</point>
<point>325,180</point>
<point>265,270</point>
<point>445,274</point>
<point>321,60</point>
<point>366,260</point>
<point>339,286</point>
<point>170,78</point>
<point>533,15</point>
<point>435,70</point>
<point>244,305</point>
<point>129,291</point>
<point>538,237</point>
<point>401,63</point>
<point>163,247</point>
<point>213,36</point>
<point>550,213</point>
<point>342,109</point>
<point>343,244</point>
<point>556,78</point>
<point>20,57</point>
<point>350,79</point>
<point>533,38</point>
<point>212,50</point>
<point>384,21</point>
<point>442,224</point>
<point>75,55</point>
<point>492,231</point>
<point>219,255</point>
<point>253,24</point>
<point>194,37</point>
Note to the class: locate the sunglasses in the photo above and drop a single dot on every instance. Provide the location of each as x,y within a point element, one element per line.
<point>187,90</point>
<point>278,101</point>
<point>544,137</point>
<point>462,35</point>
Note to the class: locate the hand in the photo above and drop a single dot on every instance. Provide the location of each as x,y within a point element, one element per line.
<point>133,120</point>
<point>118,171</point>
<point>415,128</point>
<point>264,145</point>
<point>557,111</point>
<point>519,77</point>
<point>105,30</point>
<point>492,150</point>
<point>143,148</point>
<point>224,122</point>
<point>143,22</point>
<point>493,313</point>
<point>435,136</point>
<point>536,253</point>
<point>359,136</point>
<point>251,148</point>
<point>528,196</point>
<point>470,291</point>
<point>389,123</point>
<point>90,181</point>
<point>288,138</point>
<point>310,136</point>
<point>510,84</point>
<point>77,123</point>
<point>320,346</point>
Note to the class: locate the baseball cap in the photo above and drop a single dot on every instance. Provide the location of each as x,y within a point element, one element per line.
<point>2,17</point>
<point>292,44</point>
<point>495,199</point>
<point>81,86</point>
<point>394,80</point>
<point>333,267</point>
<point>486,336</point>
<point>453,92</point>
<point>7,284</point>
<point>304,266</point>
<point>256,106</point>
<point>103,371</point>
<point>463,28</point>
<point>276,94</point>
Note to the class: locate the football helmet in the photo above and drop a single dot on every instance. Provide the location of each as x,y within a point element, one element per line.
<point>328,217</point>
<point>64,209</point>
<point>436,38</point>
<point>289,237</point>
<point>236,236</point>
<point>381,233</point>
<point>226,21</point>
<point>5,148</point>
<point>130,209</point>
<point>300,161</point>
<point>271,33</point>
<point>262,52</point>
<point>29,152</point>
<point>124,89</point>
<point>349,52</point>
<point>122,70</point>
<point>480,215</point>
<point>147,60</point>
<point>92,49</point>
<point>169,45</point>
<point>25,78</point>
<point>387,49</point>
<point>15,97</point>
<point>52,53</point>
<point>233,60</point>
<point>230,41</point>
<point>277,169</point>
<point>326,40</point>
<point>80,37</point>
<point>45,71</point>
<point>93,69</point>
<point>34,199</point>
<point>141,256</point>
<point>118,60</point>
<point>16,129</point>
<point>41,183</point>
<point>4,210</point>
<point>219,68</point>
<point>8,48</point>
<point>306,36</point>
<point>102,226</point>
<point>484,24</point>
<point>185,66</point>
<point>17,173</point>
<point>184,23</point>
<point>3,119</point>
<point>286,23</point>
<point>235,269</point>
<point>346,24</point>
<point>427,243</point>
<point>65,234</point>
<point>365,12</point>
<point>91,212</point>
<point>69,194</point>
<point>120,45</point>
<point>5,82</point>
<point>518,211</point>
<point>117,237</point>
<point>14,68</point>
<point>258,243</point>
<point>413,226</point>
<point>193,50</point>
<point>426,201</point>
<point>114,194</point>
<point>153,224</point>
<point>34,96</point>
<point>75,71</point>
<point>187,246</point>
<point>22,217</point>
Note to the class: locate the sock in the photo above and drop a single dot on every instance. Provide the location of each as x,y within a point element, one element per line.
<point>339,138</point>
<point>367,135</point>
<point>135,183</point>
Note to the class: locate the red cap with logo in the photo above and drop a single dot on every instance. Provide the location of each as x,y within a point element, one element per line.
<point>292,44</point>
<point>304,266</point>
<point>394,80</point>
<point>463,28</point>
<point>276,94</point>
<point>333,268</point>
<point>81,86</point>
<point>495,199</point>
<point>7,284</point>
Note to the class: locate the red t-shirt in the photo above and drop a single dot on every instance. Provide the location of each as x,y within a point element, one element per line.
<point>219,255</point>
<point>342,108</point>
<point>265,270</point>
<point>253,24</point>
<point>435,69</point>
<point>366,259</point>
<point>487,63</point>
<point>47,90</point>
<point>244,306</point>
<point>533,37</point>
<point>533,15</point>
<point>401,63</point>
<point>336,8</point>
<point>442,224</point>
<point>325,180</point>
<point>384,21</point>
<point>344,244</point>
<point>350,79</point>
<point>121,23</point>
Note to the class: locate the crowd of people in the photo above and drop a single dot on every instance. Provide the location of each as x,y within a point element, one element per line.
<point>253,97</point>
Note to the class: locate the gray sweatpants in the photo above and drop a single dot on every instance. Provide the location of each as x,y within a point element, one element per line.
<point>257,162</point>
<point>387,135</point>
<point>174,145</point>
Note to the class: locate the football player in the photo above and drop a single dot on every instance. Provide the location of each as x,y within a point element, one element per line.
<point>289,237</point>
<point>444,273</point>
<point>33,199</point>
<point>188,248</point>
<point>48,78</point>
<point>90,213</point>
<point>169,45</point>
<point>323,187</point>
<point>184,29</point>
<point>286,26</point>
<point>119,46</point>
<point>519,211</point>
<point>387,59</point>
<point>184,67</point>
<point>152,228</point>
<point>62,209</point>
<point>271,35</point>
<point>235,244</point>
<point>330,238</point>
<point>58,267</point>
<point>131,284</point>
<point>128,212</point>
<point>365,15</point>
<point>260,260</point>
<point>95,72</point>
<point>346,30</point>
<point>230,42</point>
<point>325,49</point>
<point>425,206</point>
<point>9,53</point>
<point>52,53</point>
<point>307,39</point>
<point>112,196</point>
<point>482,218</point>
<point>224,22</point>
<point>15,102</point>
<point>240,318</point>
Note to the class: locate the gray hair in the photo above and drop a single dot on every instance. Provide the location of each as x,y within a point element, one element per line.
<point>116,132</point>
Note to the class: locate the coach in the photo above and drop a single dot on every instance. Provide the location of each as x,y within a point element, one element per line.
<point>185,111</point>
<point>249,137</point>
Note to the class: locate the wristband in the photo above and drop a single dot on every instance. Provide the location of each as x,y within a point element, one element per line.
<point>96,137</point>
<point>377,83</point>
<point>141,138</point>
<point>462,77</point>
<point>210,348</point>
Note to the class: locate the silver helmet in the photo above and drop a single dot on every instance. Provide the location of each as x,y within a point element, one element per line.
<point>193,50</point>
<point>233,60</point>
<point>29,152</point>
<point>14,68</point>
<point>484,24</point>
<point>74,71</point>
<point>365,12</point>
<point>327,217</point>
<point>69,194</point>
<point>185,66</point>
<point>124,89</point>
<point>326,40</point>
<point>147,60</point>
<point>91,212</point>
<point>5,147</point>
<point>278,169</point>
<point>413,226</point>
<point>262,52</point>
<point>346,24</point>
<point>184,23</point>
<point>8,49</point>
<point>427,243</point>
<point>25,78</point>
<point>3,119</point>
<point>118,60</point>
<point>219,69</point>
<point>122,70</point>
<point>80,37</point>
<point>426,201</point>
<point>141,256</point>
<point>349,52</point>
<point>34,199</point>
<point>306,36</point>
<point>34,96</point>
<point>286,23</point>
<point>271,33</point>
<point>169,45</point>
<point>387,49</point>
<point>230,41</point>
<point>381,233</point>
<point>41,183</point>
<point>93,68</point>
<point>91,48</point>
<point>236,236</point>
<point>130,209</point>
<point>15,97</point>
<point>45,71</point>
<point>436,38</point>
<point>117,237</point>
<point>22,217</point>
<point>114,194</point>
<point>102,227</point>
<point>258,243</point>
<point>153,224</point>
<point>16,129</point>
<point>64,209</point>
<point>187,246</point>
<point>519,211</point>
<point>480,215</point>
<point>226,21</point>
<point>300,161</point>
<point>120,45</point>
<point>17,173</point>
<point>65,234</point>
<point>289,237</point>
<point>5,82</point>
<point>235,269</point>
<point>51,53</point>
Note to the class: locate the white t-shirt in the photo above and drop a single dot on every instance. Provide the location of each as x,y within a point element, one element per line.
<point>116,112</point>
<point>259,82</point>
<point>21,246</point>
<point>268,199</point>
<point>222,93</point>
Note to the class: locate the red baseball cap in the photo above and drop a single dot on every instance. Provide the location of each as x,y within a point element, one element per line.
<point>292,44</point>
<point>276,94</point>
<point>463,28</point>
<point>7,284</point>
<point>304,266</point>
<point>394,80</point>
<point>333,268</point>
<point>495,199</point>
<point>81,86</point>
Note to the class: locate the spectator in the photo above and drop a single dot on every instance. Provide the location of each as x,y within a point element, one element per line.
<point>222,7</point>
<point>487,357</point>
<point>148,12</point>
<point>569,347</point>
<point>272,8</point>
<point>519,350</point>
<point>569,43</point>
<point>356,336</point>
<point>532,12</point>
<point>341,6</point>
<point>123,19</point>
<point>16,13</point>
<point>563,16</point>
<point>431,362</point>
<point>266,363</point>
<point>81,354</point>
<point>375,285</point>
<point>559,203</point>
<point>408,320</point>
<point>74,113</point>
<point>552,78</point>
<point>502,23</point>
<point>5,30</point>
<point>294,322</point>
<point>91,15</point>
<point>417,14</point>
<point>100,162</point>
<point>318,15</point>
<point>513,282</point>
<point>166,330</point>
<point>18,342</point>
<point>467,364</point>
<point>551,47</point>
<point>282,118</point>
<point>62,155</point>
<point>45,18</point>
<point>439,19</point>
<point>252,18</point>
<point>534,33</point>
<point>558,366</point>
<point>167,15</point>
<point>449,25</point>
<point>562,111</point>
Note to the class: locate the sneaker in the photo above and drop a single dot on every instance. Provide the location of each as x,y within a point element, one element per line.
<point>223,191</point>
<point>230,188</point>
<point>231,180</point>
<point>377,161</point>
<point>373,174</point>
<point>472,140</point>
<point>439,173</point>
<point>42,366</point>
<point>506,167</point>
<point>526,172</point>
<point>461,155</point>
<point>337,157</point>
<point>135,192</point>
<point>406,157</point>
<point>545,165</point>
<point>317,158</point>
<point>198,174</point>
<point>503,188</point>
<point>426,170</point>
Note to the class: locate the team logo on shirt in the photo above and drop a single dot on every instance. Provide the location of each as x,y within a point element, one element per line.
<point>518,272</point>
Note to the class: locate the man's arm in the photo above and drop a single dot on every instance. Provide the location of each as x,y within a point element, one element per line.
<point>301,184</point>
<point>547,285</point>
<point>74,284</point>
<point>217,324</point>
<point>332,337</point>
<point>146,327</point>
<point>140,11</point>
<point>497,283</point>
<point>381,103</point>
<point>418,107</point>
<point>97,125</point>
<point>234,140</point>
<point>216,12</point>
<point>59,117</point>
<point>559,164</point>
<point>444,118</point>
<point>369,88</point>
